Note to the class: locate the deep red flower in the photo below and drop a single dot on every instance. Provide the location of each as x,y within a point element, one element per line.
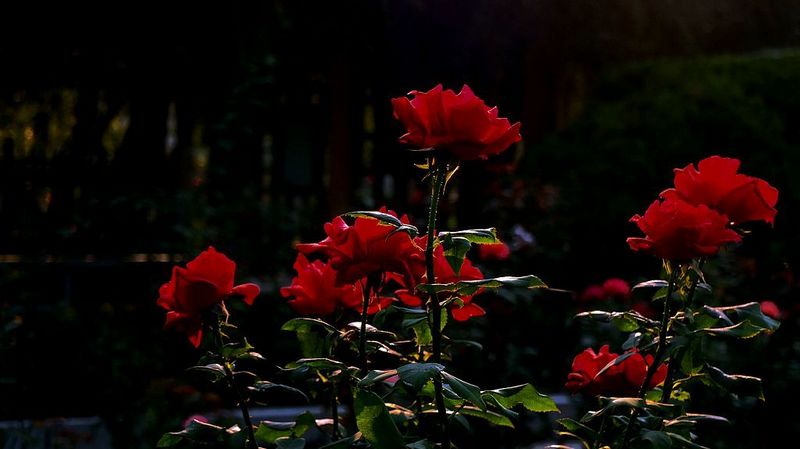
<point>623,379</point>
<point>366,248</point>
<point>444,274</point>
<point>771,310</point>
<point>717,184</point>
<point>458,124</point>
<point>314,290</point>
<point>207,280</point>
<point>677,230</point>
<point>616,288</point>
<point>494,251</point>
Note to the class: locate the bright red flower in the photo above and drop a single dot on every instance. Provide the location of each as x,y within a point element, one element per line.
<point>458,124</point>
<point>717,184</point>
<point>494,251</point>
<point>314,289</point>
<point>444,274</point>
<point>677,230</point>
<point>623,379</point>
<point>207,280</point>
<point>771,310</point>
<point>366,248</point>
<point>616,288</point>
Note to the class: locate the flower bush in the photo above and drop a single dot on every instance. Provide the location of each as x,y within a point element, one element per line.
<point>375,297</point>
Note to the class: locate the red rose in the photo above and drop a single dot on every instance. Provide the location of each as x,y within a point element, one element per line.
<point>716,184</point>
<point>677,230</point>
<point>444,274</point>
<point>623,379</point>
<point>494,251</point>
<point>459,124</point>
<point>367,247</point>
<point>771,310</point>
<point>616,288</point>
<point>206,281</point>
<point>314,289</point>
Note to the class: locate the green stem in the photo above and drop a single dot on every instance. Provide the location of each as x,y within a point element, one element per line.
<point>251,441</point>
<point>335,413</point>
<point>669,381</point>
<point>434,308</point>
<point>660,351</point>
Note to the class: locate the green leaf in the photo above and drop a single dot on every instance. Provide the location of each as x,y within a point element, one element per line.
<point>421,444</point>
<point>743,330</point>
<point>263,389</point>
<point>376,376</point>
<point>487,415</point>
<point>196,431</point>
<point>384,218</point>
<point>615,362</point>
<point>213,372</point>
<point>578,429</point>
<point>465,288</point>
<point>315,336</point>
<point>455,250</point>
<point>422,332</point>
<point>375,215</point>
<point>480,236</point>
<point>271,431</point>
<point>290,443</point>
<point>525,395</point>
<point>416,375</point>
<point>737,384</point>
<point>374,421</point>
<point>235,350</point>
<point>654,283</point>
<point>464,390</point>
<point>319,363</point>
<point>752,313</point>
<point>625,321</point>
<point>656,439</point>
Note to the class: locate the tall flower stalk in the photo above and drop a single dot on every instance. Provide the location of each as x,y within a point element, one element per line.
<point>438,181</point>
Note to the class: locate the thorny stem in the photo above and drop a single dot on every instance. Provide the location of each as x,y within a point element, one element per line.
<point>434,308</point>
<point>251,440</point>
<point>660,350</point>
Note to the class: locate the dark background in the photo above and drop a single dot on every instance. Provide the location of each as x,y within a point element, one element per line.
<point>132,138</point>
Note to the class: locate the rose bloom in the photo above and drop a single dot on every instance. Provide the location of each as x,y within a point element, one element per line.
<point>623,379</point>
<point>367,248</point>
<point>593,292</point>
<point>494,251</point>
<point>771,310</point>
<point>444,275</point>
<point>460,125</point>
<point>314,290</point>
<point>677,230</point>
<point>717,184</point>
<point>206,281</point>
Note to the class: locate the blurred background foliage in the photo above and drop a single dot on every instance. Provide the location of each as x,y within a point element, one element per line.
<point>133,138</point>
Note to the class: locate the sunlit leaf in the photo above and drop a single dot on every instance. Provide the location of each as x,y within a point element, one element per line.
<point>374,421</point>
<point>525,395</point>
